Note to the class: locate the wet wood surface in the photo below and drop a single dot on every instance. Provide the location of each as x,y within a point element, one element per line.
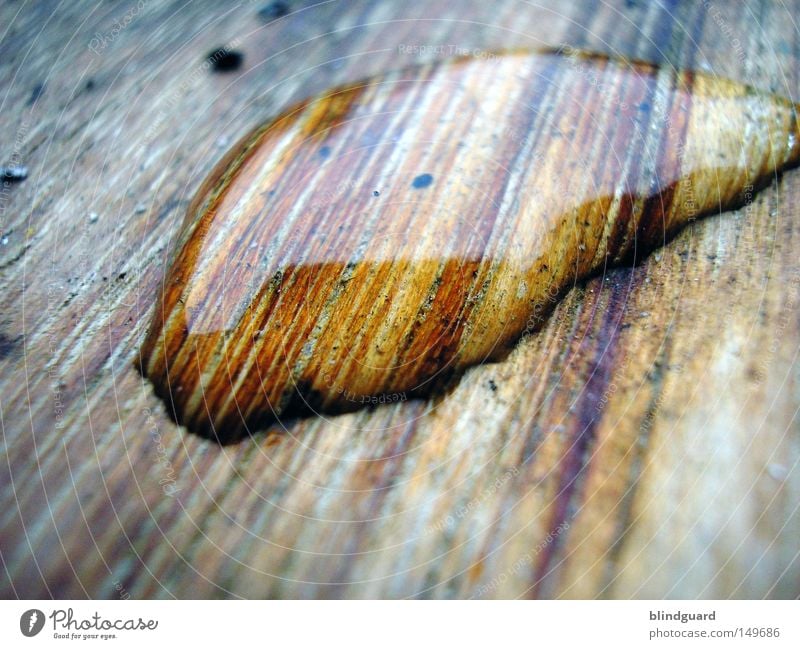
<point>643,443</point>
<point>371,244</point>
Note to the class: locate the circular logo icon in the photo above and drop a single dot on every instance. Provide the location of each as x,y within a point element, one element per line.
<point>31,622</point>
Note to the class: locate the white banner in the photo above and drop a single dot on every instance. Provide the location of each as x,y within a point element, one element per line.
<point>401,624</point>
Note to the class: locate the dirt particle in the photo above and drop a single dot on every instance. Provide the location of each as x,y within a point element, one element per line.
<point>224,60</point>
<point>37,92</point>
<point>273,10</point>
<point>422,181</point>
<point>14,173</point>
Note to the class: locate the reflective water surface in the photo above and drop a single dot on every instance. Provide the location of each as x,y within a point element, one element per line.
<point>368,245</point>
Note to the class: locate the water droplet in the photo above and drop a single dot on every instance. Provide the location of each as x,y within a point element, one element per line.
<point>294,292</point>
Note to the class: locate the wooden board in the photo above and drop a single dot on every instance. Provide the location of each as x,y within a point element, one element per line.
<point>643,444</point>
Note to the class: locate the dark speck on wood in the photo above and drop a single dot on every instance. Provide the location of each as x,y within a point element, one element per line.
<point>225,60</point>
<point>14,173</point>
<point>273,10</point>
<point>422,181</point>
<point>37,91</point>
<point>8,345</point>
